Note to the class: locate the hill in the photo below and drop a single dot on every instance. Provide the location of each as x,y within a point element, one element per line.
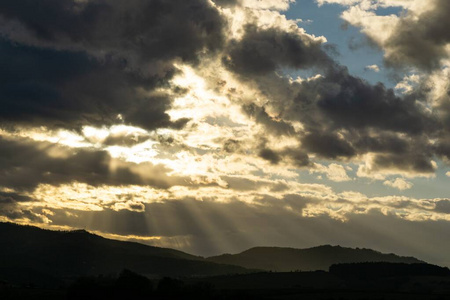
<point>30,253</point>
<point>311,259</point>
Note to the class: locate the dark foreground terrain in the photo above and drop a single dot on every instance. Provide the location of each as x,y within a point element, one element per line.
<point>43,264</point>
<point>386,281</point>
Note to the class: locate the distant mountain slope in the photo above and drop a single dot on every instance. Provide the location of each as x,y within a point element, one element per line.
<point>62,254</point>
<point>317,258</point>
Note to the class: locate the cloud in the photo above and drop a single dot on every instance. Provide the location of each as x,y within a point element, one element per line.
<point>227,3</point>
<point>89,62</point>
<point>256,4</point>
<point>262,51</point>
<point>421,40</point>
<point>11,208</point>
<point>443,206</point>
<point>374,68</point>
<point>417,37</point>
<point>116,79</point>
<point>260,115</point>
<point>26,164</point>
<point>134,30</point>
<point>268,4</point>
<point>343,116</point>
<point>334,172</point>
<point>353,103</point>
<point>410,165</point>
<point>70,89</point>
<point>417,163</point>
<point>367,4</point>
<point>116,136</point>
<point>328,145</point>
<point>399,183</point>
<point>270,156</point>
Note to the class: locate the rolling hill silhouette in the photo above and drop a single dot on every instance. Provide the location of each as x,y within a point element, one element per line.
<point>30,253</point>
<point>80,265</point>
<point>317,258</point>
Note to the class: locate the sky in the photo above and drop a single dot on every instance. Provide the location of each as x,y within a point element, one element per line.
<point>213,126</point>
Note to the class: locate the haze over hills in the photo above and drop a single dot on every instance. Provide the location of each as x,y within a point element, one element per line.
<point>31,254</point>
<point>318,258</point>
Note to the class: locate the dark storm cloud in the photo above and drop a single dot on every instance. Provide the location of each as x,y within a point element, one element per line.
<point>411,162</point>
<point>443,149</point>
<point>26,164</point>
<point>343,115</point>
<point>136,29</point>
<point>262,51</point>
<point>16,213</point>
<point>444,110</point>
<point>12,197</point>
<point>68,63</point>
<point>382,142</point>
<point>325,105</point>
<point>70,89</point>
<point>394,152</point>
<point>443,206</point>
<point>327,145</point>
<point>421,41</point>
<point>10,207</point>
<point>297,157</point>
<point>352,117</point>
<point>227,3</point>
<point>269,155</point>
<point>348,102</point>
<point>259,114</point>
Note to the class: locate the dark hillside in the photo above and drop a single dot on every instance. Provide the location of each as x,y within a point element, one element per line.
<point>317,258</point>
<point>26,250</point>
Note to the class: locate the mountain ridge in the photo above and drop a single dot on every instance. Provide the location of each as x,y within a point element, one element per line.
<point>285,259</point>
<point>71,254</point>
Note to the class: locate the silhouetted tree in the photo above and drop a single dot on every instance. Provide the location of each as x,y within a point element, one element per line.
<point>90,288</point>
<point>132,285</point>
<point>170,287</point>
<point>128,285</point>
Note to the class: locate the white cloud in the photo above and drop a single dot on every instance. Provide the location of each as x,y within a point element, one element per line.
<point>415,5</point>
<point>374,68</point>
<point>408,83</point>
<point>404,37</point>
<point>334,172</point>
<point>399,183</point>
<point>377,28</point>
<point>268,4</point>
